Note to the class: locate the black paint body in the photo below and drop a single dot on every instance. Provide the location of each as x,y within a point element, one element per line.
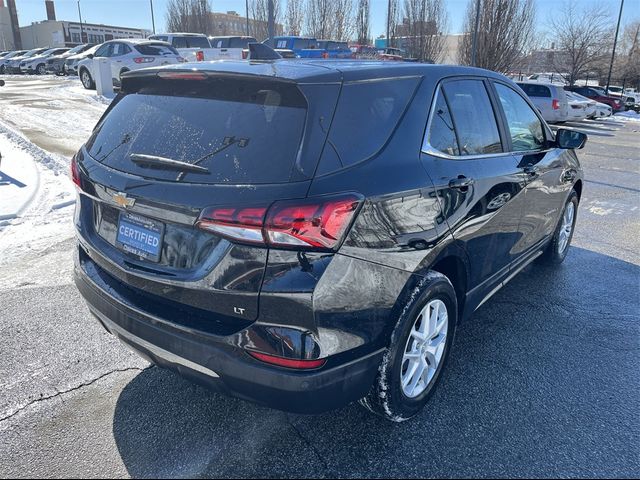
<point>338,305</point>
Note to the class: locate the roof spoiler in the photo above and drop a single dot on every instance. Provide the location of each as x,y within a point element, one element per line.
<point>261,51</point>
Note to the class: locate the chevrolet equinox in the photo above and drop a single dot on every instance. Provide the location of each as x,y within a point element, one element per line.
<point>304,234</point>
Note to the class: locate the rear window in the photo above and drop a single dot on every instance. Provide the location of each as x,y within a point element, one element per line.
<point>157,49</point>
<point>366,116</point>
<point>198,42</point>
<point>238,42</point>
<point>242,131</point>
<point>535,90</point>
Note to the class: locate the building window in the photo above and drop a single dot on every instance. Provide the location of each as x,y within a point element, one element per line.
<point>75,37</point>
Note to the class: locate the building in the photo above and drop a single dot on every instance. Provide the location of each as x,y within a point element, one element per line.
<point>56,33</point>
<point>232,23</point>
<point>546,60</point>
<point>9,31</point>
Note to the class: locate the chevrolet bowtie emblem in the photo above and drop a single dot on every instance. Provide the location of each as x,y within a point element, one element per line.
<point>122,200</point>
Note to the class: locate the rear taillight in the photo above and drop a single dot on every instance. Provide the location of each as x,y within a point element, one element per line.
<point>318,223</point>
<point>288,362</point>
<point>144,59</point>
<point>555,104</point>
<point>199,56</point>
<point>75,173</point>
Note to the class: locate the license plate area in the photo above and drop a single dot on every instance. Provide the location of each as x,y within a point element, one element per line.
<point>140,236</point>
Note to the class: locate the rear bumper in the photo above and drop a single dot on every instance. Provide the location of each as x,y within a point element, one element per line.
<point>218,364</point>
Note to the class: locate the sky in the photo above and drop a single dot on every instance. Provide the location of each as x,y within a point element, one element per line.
<point>136,13</point>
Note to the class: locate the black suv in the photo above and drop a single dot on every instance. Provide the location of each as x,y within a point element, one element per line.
<point>304,234</point>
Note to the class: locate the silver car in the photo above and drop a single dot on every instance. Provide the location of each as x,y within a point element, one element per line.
<point>549,99</point>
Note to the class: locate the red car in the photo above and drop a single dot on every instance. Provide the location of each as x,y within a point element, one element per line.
<point>615,103</point>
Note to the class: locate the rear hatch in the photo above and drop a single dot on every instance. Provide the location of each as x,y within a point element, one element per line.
<point>176,143</point>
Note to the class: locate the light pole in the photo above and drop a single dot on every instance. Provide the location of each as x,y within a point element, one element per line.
<point>474,46</point>
<point>246,6</point>
<point>613,52</point>
<point>271,23</point>
<point>388,23</point>
<point>81,29</point>
<point>153,20</point>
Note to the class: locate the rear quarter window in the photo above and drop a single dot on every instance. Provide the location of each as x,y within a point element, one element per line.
<point>367,115</point>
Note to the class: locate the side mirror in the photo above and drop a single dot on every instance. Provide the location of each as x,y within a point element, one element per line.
<point>90,55</point>
<point>570,139</point>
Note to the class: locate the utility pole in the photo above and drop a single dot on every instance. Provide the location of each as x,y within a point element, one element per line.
<point>613,52</point>
<point>474,46</point>
<point>246,6</point>
<point>271,24</point>
<point>81,29</point>
<point>153,20</point>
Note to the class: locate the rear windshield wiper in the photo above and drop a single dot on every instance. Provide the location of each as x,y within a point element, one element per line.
<point>163,163</point>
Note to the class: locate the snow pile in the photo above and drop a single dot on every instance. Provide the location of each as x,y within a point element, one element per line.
<point>629,115</point>
<point>47,219</point>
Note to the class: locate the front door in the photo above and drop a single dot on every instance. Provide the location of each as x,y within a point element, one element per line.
<point>480,184</point>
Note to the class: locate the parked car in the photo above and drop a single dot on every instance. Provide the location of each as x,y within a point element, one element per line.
<point>616,104</point>
<point>368,52</point>
<point>71,63</point>
<point>4,61</point>
<point>334,49</point>
<point>125,56</point>
<point>549,99</point>
<point>603,110</point>
<point>55,63</point>
<point>231,47</point>
<point>193,47</point>
<point>38,63</point>
<point>13,65</point>
<point>589,105</point>
<point>281,282</point>
<point>303,47</point>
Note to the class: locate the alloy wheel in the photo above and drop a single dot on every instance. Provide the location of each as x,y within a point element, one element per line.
<point>424,349</point>
<point>566,227</point>
<point>86,79</point>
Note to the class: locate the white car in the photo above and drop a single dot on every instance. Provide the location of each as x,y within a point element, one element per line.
<point>602,110</point>
<point>71,62</point>
<point>233,47</point>
<point>549,99</point>
<point>194,47</point>
<point>38,63</point>
<point>580,107</point>
<point>4,61</point>
<point>127,55</point>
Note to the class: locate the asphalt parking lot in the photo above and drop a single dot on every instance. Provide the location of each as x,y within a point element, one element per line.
<point>543,382</point>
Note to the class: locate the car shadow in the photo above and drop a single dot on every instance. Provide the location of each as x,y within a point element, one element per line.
<point>541,382</point>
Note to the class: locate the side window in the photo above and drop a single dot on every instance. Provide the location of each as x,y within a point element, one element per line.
<point>442,134</point>
<point>473,116</point>
<point>117,50</point>
<point>524,125</point>
<point>281,44</point>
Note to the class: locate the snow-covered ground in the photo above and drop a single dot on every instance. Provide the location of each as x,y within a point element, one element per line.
<point>629,115</point>
<point>42,122</point>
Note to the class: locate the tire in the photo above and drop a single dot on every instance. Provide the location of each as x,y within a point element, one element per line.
<point>391,395</point>
<point>556,251</point>
<point>86,80</point>
<point>41,69</point>
<point>2,69</point>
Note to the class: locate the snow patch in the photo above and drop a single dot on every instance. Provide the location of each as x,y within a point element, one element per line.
<point>628,116</point>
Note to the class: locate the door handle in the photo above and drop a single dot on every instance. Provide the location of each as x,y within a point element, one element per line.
<point>461,182</point>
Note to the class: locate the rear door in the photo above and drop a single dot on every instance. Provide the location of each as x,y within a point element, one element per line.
<point>480,184</point>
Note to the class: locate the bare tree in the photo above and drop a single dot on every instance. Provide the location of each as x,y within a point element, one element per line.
<point>319,23</point>
<point>189,16</point>
<point>582,39</point>
<point>393,19</point>
<point>363,22</point>
<point>342,20</point>
<point>505,31</point>
<point>259,12</point>
<point>294,17</point>
<point>425,23</point>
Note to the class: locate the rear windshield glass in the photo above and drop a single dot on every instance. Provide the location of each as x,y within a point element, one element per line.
<point>303,43</point>
<point>242,131</point>
<point>535,90</point>
<point>198,42</point>
<point>150,49</point>
<point>241,42</point>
